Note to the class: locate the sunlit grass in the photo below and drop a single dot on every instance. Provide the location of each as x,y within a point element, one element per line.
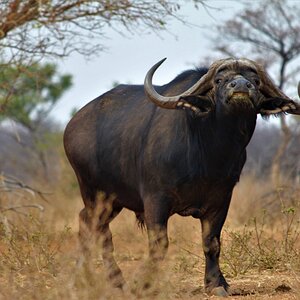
<point>39,251</point>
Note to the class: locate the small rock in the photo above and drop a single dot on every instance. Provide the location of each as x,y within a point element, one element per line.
<point>283,288</point>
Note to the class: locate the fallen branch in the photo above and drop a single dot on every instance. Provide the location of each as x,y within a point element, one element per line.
<point>15,208</point>
<point>10,184</point>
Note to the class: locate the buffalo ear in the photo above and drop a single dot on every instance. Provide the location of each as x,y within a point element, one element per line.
<point>200,106</point>
<point>277,106</point>
<point>295,111</point>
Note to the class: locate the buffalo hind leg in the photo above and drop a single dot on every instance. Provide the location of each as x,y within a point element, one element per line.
<point>94,227</point>
<point>114,272</point>
<point>214,280</point>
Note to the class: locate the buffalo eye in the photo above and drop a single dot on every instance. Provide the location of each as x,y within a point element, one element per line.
<point>256,81</point>
<point>218,81</point>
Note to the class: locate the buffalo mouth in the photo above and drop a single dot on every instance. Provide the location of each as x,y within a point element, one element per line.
<point>240,99</point>
<point>236,96</point>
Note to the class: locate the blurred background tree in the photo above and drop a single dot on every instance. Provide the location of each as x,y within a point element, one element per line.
<point>268,32</point>
<point>39,28</point>
<point>32,31</point>
<point>33,92</point>
<point>35,29</point>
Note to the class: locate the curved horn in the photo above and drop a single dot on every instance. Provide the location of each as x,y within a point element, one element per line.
<point>269,88</point>
<point>165,102</point>
<point>202,85</point>
<point>297,110</point>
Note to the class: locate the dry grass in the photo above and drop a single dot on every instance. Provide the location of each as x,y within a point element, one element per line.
<point>260,253</point>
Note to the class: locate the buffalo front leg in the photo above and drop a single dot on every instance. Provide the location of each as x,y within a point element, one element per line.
<point>113,270</point>
<point>156,215</point>
<point>156,219</point>
<point>158,242</point>
<point>214,280</point>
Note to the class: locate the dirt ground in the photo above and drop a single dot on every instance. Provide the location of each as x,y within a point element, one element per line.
<point>266,285</point>
<point>183,272</point>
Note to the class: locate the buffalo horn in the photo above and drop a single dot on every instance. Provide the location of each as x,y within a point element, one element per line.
<point>297,110</point>
<point>171,101</point>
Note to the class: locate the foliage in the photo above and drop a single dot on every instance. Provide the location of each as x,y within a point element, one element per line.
<point>27,96</point>
<point>35,28</point>
<point>265,234</point>
<point>257,246</point>
<point>33,91</point>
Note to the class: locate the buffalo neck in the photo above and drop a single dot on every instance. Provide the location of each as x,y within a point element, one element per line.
<point>221,141</point>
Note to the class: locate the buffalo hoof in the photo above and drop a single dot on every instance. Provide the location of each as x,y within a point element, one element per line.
<point>219,291</point>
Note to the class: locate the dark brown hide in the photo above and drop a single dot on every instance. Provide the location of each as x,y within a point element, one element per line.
<point>157,162</point>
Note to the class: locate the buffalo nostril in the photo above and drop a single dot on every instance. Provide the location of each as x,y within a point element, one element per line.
<point>233,84</point>
<point>249,85</point>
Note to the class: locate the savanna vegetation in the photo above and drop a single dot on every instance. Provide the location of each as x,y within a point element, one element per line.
<point>40,199</point>
<point>39,248</point>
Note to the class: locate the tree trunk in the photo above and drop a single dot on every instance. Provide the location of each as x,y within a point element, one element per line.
<point>285,130</point>
<point>276,162</point>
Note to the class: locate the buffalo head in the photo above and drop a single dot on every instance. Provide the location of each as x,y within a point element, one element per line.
<point>230,84</point>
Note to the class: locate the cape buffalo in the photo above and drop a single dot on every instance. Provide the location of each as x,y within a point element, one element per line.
<point>172,149</point>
